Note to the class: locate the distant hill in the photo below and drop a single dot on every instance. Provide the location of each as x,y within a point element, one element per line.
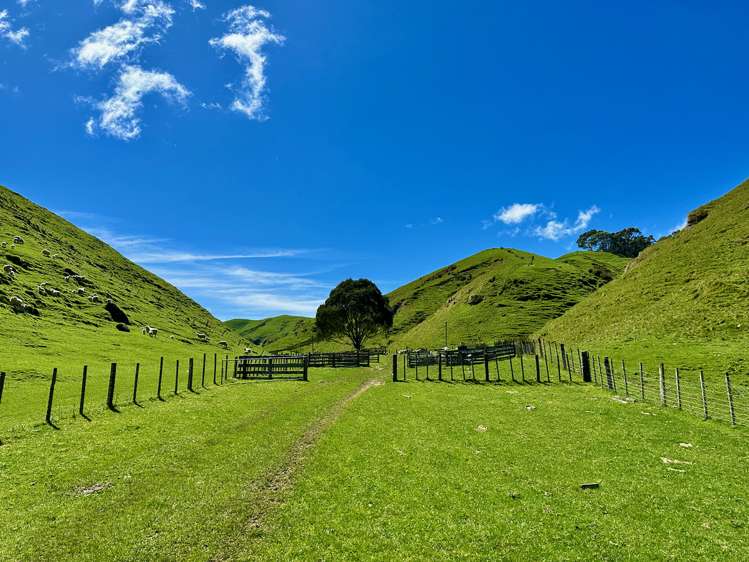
<point>56,283</point>
<point>277,333</point>
<point>497,293</point>
<point>687,293</point>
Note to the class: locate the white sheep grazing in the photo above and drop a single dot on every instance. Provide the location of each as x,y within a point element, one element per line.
<point>17,304</point>
<point>4,244</point>
<point>18,240</point>
<point>94,298</point>
<point>81,291</point>
<point>46,253</point>
<point>224,344</point>
<point>149,331</point>
<point>248,351</point>
<point>9,270</point>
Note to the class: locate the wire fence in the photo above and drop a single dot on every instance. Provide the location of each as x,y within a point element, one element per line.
<point>709,396</point>
<point>28,399</point>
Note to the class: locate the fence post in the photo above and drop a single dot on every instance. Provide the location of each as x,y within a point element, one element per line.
<point>559,368</point>
<point>305,375</point>
<point>82,401</point>
<point>270,367</point>
<point>2,386</point>
<point>522,367</point>
<point>395,367</point>
<point>405,367</point>
<point>624,374</point>
<point>512,370</point>
<point>662,384</point>
<point>486,365</point>
<point>570,362</point>
<point>51,396</point>
<point>161,374</point>
<point>585,365</point>
<point>135,383</point>
<point>439,366</point>
<point>202,376</point>
<point>609,373</point>
<point>546,362</point>
<point>704,394</point>
<point>642,382</point>
<point>678,389</point>
<point>190,365</point>
<point>226,371</point>
<point>563,353</point>
<point>538,368</point>
<point>110,389</point>
<point>215,364</point>
<point>731,411</point>
<point>176,378</point>
<point>595,372</point>
<point>600,371</point>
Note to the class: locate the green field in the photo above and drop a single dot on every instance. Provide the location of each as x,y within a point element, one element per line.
<point>415,470</point>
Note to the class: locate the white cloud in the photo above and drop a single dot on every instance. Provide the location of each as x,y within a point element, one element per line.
<point>517,213</point>
<point>248,35</point>
<point>196,5</point>
<point>24,3</point>
<point>17,36</point>
<point>556,230</point>
<point>119,114</point>
<point>146,22</point>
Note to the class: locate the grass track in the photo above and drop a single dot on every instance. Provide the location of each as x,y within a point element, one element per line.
<point>405,475</point>
<point>180,472</point>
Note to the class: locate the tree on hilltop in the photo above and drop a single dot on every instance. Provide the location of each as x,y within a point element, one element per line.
<point>356,311</point>
<point>627,243</point>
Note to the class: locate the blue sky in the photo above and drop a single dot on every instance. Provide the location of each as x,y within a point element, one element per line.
<point>255,155</point>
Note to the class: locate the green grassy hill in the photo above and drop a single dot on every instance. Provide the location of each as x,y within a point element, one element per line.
<point>686,299</point>
<point>55,289</point>
<point>497,293</point>
<point>277,333</point>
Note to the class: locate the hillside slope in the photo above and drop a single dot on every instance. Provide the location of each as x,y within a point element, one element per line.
<point>56,283</point>
<point>497,293</point>
<point>276,333</point>
<point>689,288</point>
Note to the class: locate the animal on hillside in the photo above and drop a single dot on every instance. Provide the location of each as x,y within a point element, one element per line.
<point>248,351</point>
<point>4,244</point>
<point>17,304</point>
<point>44,289</point>
<point>202,336</point>
<point>94,298</point>
<point>81,291</point>
<point>10,270</point>
<point>223,344</point>
<point>149,331</point>
<point>18,240</point>
<point>46,253</point>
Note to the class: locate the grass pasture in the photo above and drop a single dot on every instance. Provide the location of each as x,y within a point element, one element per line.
<point>409,471</point>
<point>425,471</point>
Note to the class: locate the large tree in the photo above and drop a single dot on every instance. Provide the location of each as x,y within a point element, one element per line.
<point>354,311</point>
<point>628,242</point>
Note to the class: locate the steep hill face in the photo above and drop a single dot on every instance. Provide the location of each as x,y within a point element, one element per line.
<point>64,292</point>
<point>277,333</point>
<point>497,293</point>
<point>692,286</point>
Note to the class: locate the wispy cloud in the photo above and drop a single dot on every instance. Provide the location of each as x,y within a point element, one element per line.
<point>145,23</point>
<point>538,219</point>
<point>118,115</point>
<point>248,35</point>
<point>556,230</point>
<point>16,36</point>
<point>517,213</point>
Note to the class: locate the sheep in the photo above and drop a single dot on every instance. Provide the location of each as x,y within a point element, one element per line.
<point>202,336</point>
<point>46,253</point>
<point>223,344</point>
<point>10,270</point>
<point>248,351</point>
<point>17,304</point>
<point>4,244</point>
<point>81,291</point>
<point>94,298</point>
<point>18,240</point>
<point>149,331</point>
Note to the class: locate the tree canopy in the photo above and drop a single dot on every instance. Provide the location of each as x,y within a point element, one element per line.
<point>627,243</point>
<point>356,311</point>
